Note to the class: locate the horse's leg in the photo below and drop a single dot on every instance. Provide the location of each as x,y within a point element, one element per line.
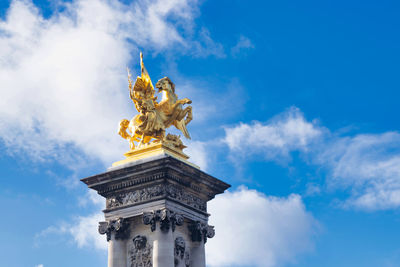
<point>174,114</point>
<point>131,143</point>
<point>187,112</point>
<point>189,117</point>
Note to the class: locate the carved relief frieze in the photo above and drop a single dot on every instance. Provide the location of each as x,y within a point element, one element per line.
<point>166,218</point>
<point>120,227</point>
<point>145,194</point>
<point>140,252</point>
<point>182,256</point>
<point>201,231</point>
<point>180,194</point>
<point>136,196</point>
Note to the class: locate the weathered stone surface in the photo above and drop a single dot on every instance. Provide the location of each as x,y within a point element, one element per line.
<point>140,252</point>
<point>162,178</point>
<point>182,255</point>
<point>156,212</point>
<point>120,227</point>
<point>167,219</point>
<point>201,231</point>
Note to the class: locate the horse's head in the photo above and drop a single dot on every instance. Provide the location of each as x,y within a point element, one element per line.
<point>165,84</point>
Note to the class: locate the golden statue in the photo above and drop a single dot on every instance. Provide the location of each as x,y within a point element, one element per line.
<point>148,127</point>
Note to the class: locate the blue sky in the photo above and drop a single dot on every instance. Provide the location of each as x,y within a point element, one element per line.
<point>295,105</point>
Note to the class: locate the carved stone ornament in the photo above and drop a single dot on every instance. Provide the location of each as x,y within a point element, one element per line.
<point>168,219</point>
<point>119,226</point>
<point>140,252</point>
<point>201,231</point>
<point>153,192</point>
<point>182,257</point>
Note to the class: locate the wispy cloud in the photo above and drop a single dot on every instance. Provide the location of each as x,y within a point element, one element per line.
<point>243,45</point>
<point>63,81</point>
<point>367,164</point>
<point>274,139</point>
<point>82,230</point>
<point>198,153</point>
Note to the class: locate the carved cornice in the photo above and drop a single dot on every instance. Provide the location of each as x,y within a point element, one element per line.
<point>200,231</point>
<point>166,218</point>
<point>120,227</point>
<point>130,182</point>
<point>162,169</point>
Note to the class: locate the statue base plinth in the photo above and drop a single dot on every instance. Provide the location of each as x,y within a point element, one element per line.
<point>151,150</point>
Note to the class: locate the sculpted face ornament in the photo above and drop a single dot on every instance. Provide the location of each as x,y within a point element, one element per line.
<point>179,247</point>
<point>155,117</point>
<point>140,252</point>
<point>139,242</point>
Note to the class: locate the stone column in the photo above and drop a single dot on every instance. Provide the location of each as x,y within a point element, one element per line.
<point>198,255</point>
<point>163,253</point>
<point>163,244</point>
<point>117,231</point>
<point>116,252</point>
<point>199,232</point>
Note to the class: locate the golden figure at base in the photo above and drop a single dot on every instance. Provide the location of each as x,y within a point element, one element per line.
<point>154,118</point>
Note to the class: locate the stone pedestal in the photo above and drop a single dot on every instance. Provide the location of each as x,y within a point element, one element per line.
<point>156,212</point>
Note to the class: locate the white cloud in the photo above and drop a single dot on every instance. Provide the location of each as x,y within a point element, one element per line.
<point>40,265</point>
<point>85,234</point>
<point>243,44</point>
<point>83,229</point>
<point>207,47</point>
<point>63,79</point>
<point>367,164</point>
<point>287,132</point>
<point>198,154</point>
<point>257,230</point>
<point>91,197</point>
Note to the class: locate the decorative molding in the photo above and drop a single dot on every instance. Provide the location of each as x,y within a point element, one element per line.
<point>178,193</point>
<point>168,219</point>
<point>201,231</point>
<point>140,252</point>
<point>137,196</point>
<point>181,255</point>
<point>119,226</point>
<point>160,170</point>
<point>156,191</point>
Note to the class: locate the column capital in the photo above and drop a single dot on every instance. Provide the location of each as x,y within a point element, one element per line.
<point>167,218</point>
<point>200,231</point>
<point>119,226</point>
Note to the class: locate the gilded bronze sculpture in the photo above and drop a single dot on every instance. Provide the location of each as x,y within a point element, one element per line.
<point>154,118</point>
